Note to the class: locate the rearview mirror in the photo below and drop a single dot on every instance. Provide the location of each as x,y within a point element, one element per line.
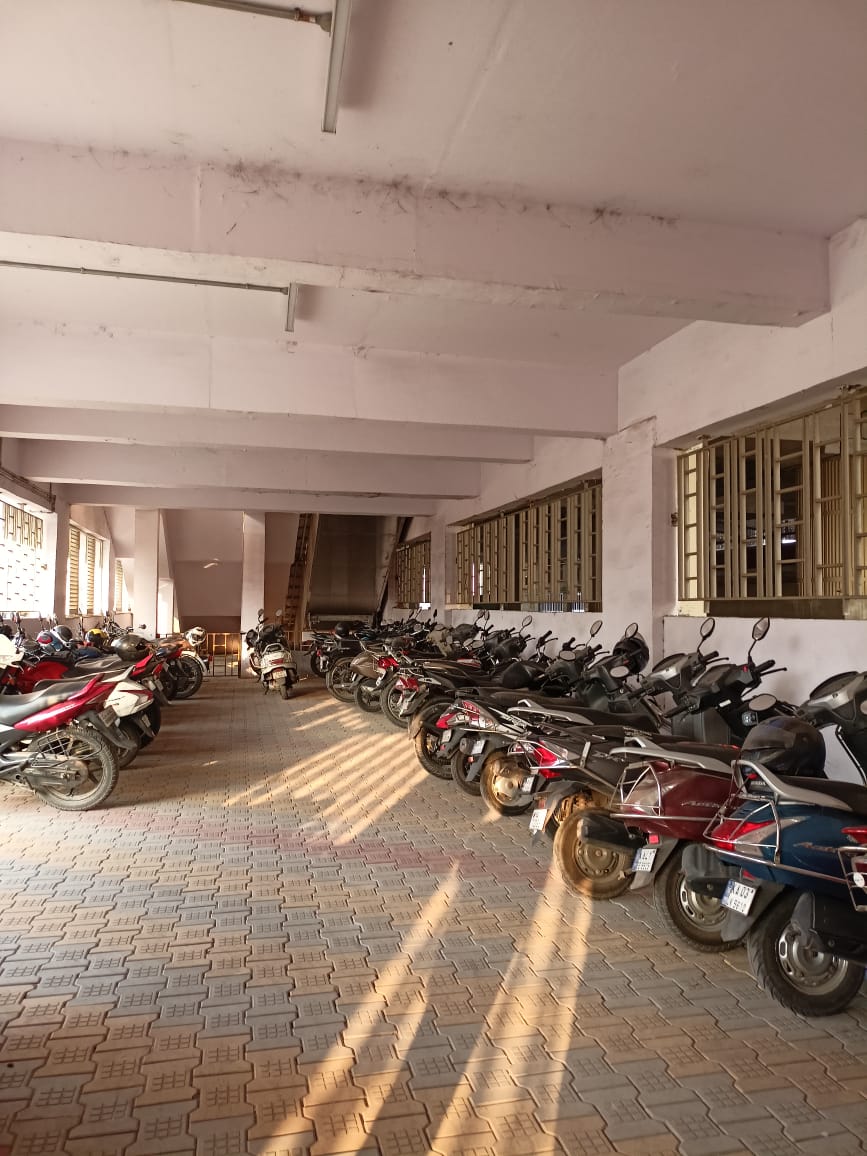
<point>631,630</point>
<point>761,628</point>
<point>596,627</point>
<point>527,621</point>
<point>707,628</point>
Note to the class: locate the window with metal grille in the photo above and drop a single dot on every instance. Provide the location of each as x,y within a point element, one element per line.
<point>21,560</point>
<point>411,573</point>
<point>84,581</point>
<point>118,586</point>
<point>544,555</point>
<point>777,518</point>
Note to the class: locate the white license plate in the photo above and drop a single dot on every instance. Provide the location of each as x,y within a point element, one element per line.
<point>739,897</point>
<point>537,819</point>
<point>528,784</point>
<point>644,859</point>
<point>108,715</point>
<point>445,736</point>
<point>478,747</point>
<point>279,675</point>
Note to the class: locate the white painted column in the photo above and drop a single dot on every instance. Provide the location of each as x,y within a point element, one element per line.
<point>145,585</point>
<point>55,544</point>
<point>253,570</point>
<point>639,543</point>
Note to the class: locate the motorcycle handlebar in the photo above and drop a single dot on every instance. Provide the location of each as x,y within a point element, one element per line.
<point>543,638</point>
<point>711,656</point>
<point>764,667</point>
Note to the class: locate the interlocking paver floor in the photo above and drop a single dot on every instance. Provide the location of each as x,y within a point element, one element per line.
<point>284,937</point>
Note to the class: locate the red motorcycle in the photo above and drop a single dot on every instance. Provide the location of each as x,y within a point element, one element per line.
<point>45,748</point>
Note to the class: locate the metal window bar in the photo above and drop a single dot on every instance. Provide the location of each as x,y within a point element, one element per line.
<point>412,572</point>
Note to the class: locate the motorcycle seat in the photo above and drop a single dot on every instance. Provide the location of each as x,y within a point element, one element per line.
<point>94,666</point>
<point>827,792</point>
<point>17,707</point>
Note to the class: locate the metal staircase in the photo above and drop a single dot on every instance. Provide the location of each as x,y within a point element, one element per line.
<point>298,593</point>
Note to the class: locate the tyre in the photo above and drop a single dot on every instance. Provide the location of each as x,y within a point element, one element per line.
<point>589,870</point>
<point>85,751</point>
<point>688,916</point>
<point>460,765</point>
<point>316,667</point>
<point>284,691</point>
<point>131,731</point>
<point>170,683</point>
<point>366,696</point>
<point>389,697</point>
<point>427,742</point>
<point>811,983</point>
<point>189,677</point>
<point>341,680</point>
<point>154,714</point>
<point>500,785</point>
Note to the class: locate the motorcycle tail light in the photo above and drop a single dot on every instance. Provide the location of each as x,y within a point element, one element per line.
<point>475,716</point>
<point>732,832</point>
<point>546,757</point>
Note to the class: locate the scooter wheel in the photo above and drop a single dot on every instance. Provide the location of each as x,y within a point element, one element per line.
<point>500,785</point>
<point>692,918</point>
<point>589,871</point>
<point>461,764</point>
<point>366,696</point>
<point>284,691</point>
<point>811,983</point>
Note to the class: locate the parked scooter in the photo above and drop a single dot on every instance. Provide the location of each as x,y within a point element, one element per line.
<point>271,656</point>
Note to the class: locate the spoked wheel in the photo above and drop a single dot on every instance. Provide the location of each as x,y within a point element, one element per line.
<point>341,680</point>
<point>366,696</point>
<point>189,677</point>
<point>689,916</point>
<point>586,868</point>
<point>85,758</point>
<point>810,982</point>
<point>462,765</point>
<point>389,701</point>
<point>500,785</point>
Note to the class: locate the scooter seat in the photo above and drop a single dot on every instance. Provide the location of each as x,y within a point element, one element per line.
<point>851,795</point>
<point>20,706</point>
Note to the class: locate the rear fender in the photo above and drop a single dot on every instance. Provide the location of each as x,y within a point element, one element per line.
<point>664,851</point>
<point>736,926</point>
<point>612,834</point>
<point>832,925</point>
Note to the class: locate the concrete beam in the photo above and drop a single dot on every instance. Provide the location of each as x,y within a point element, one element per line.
<point>254,469</point>
<point>165,427</point>
<point>160,215</point>
<point>75,367</point>
<point>267,501</point>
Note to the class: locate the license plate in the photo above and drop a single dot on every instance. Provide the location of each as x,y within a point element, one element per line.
<point>477,747</point>
<point>108,715</point>
<point>738,897</point>
<point>644,859</point>
<point>279,675</point>
<point>537,819</point>
<point>528,784</point>
<point>445,736</point>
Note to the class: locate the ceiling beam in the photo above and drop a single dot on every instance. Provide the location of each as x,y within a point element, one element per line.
<point>76,366</point>
<point>259,501</point>
<point>247,224</point>
<point>270,469</point>
<point>277,431</point>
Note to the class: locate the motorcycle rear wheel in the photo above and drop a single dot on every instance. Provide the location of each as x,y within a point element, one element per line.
<point>589,871</point>
<point>389,697</point>
<point>498,785</point>
<point>426,743</point>
<point>366,696</point>
<point>340,680</point>
<point>285,691</point>
<point>692,918</point>
<point>808,982</point>
<point>189,677</point>
<point>125,756</point>
<point>460,765</point>
<point>79,744</point>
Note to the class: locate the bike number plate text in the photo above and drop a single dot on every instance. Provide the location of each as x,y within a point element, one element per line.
<point>644,859</point>
<point>528,784</point>
<point>478,747</point>
<point>537,819</point>
<point>108,715</point>
<point>445,736</point>
<point>738,897</point>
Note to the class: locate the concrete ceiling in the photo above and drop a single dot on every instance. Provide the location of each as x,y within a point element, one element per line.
<point>520,198</point>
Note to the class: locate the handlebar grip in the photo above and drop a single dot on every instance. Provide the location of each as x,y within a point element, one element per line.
<point>711,656</point>
<point>544,637</point>
<point>568,645</point>
<point>675,711</point>
<point>763,666</point>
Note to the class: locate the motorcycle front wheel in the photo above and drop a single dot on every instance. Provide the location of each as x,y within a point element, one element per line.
<point>688,915</point>
<point>461,765</point>
<point>389,701</point>
<point>427,743</point>
<point>588,870</point>
<point>83,751</point>
<point>809,982</point>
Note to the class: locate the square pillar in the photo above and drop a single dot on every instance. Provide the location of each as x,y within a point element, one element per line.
<point>55,546</point>
<point>252,569</point>
<point>145,586</point>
